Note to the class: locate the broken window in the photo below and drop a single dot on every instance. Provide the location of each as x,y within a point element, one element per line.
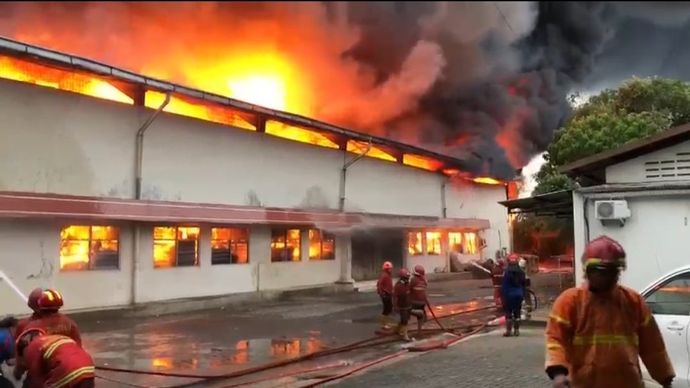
<point>321,245</point>
<point>285,245</point>
<point>229,246</point>
<point>175,246</point>
<point>89,248</point>
<point>433,243</point>
<point>414,243</point>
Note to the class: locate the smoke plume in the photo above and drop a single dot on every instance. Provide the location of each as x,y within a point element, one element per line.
<point>482,81</point>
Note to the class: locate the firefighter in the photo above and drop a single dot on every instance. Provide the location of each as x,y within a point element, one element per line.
<point>596,333</point>
<point>513,292</point>
<point>8,327</point>
<point>32,302</point>
<point>384,287</point>
<point>53,361</point>
<point>51,320</point>
<point>401,297</point>
<point>418,299</point>
<point>497,281</point>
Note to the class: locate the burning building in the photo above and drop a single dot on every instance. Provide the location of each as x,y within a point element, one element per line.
<point>121,189</point>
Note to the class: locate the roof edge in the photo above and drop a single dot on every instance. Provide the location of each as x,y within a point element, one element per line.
<point>628,151</point>
<point>38,54</point>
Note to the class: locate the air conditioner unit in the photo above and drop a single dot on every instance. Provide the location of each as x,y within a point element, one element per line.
<point>612,210</point>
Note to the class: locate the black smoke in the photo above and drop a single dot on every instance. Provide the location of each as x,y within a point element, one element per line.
<point>486,82</point>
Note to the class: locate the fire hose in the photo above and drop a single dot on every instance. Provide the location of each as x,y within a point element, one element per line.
<point>373,341</point>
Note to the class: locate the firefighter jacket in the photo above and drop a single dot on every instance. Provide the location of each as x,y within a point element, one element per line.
<point>56,323</point>
<point>598,339</point>
<point>401,295</point>
<point>57,361</point>
<point>384,286</point>
<point>418,287</point>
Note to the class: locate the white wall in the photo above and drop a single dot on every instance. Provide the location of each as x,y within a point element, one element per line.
<point>60,142</point>
<point>155,284</point>
<point>30,257</point>
<point>655,237</point>
<point>633,170</point>
<point>481,201</point>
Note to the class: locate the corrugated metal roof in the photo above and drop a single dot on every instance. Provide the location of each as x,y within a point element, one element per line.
<point>42,55</point>
<point>592,165</point>
<point>558,203</point>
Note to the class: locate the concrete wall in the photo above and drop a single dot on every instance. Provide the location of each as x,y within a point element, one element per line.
<point>655,237</point>
<point>673,161</point>
<point>30,258</point>
<point>481,201</point>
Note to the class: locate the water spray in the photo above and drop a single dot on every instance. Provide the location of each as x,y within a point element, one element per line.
<point>13,286</point>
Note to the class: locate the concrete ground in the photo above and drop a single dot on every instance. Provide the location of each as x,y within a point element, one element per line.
<point>488,360</point>
<point>226,340</point>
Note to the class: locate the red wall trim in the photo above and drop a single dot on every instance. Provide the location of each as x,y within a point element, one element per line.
<point>32,205</point>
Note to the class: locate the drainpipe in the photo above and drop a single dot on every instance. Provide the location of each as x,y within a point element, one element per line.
<point>343,174</point>
<point>444,207</point>
<point>137,193</point>
<point>140,145</point>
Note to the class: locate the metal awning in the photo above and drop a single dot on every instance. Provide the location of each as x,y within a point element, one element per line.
<point>558,203</point>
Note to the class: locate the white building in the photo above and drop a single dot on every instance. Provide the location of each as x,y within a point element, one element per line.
<point>133,197</point>
<point>651,180</point>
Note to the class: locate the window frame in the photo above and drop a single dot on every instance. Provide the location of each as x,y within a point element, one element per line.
<point>245,228</point>
<point>322,237</point>
<point>685,274</point>
<point>89,241</point>
<point>177,250</point>
<point>285,230</point>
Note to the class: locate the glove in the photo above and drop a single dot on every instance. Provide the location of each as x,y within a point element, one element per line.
<point>561,381</point>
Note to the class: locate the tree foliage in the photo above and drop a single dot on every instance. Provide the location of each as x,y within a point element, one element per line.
<point>637,109</point>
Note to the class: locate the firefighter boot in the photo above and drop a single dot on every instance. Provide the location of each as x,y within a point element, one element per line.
<point>402,331</point>
<point>383,321</point>
<point>516,327</point>
<point>509,328</point>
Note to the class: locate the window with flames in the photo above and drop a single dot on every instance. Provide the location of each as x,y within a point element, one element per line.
<point>433,243</point>
<point>286,245</point>
<point>321,245</point>
<point>175,246</point>
<point>465,243</point>
<point>415,243</point>
<point>229,246</point>
<point>85,247</point>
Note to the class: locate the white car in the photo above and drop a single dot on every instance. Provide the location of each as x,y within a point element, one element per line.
<point>669,300</point>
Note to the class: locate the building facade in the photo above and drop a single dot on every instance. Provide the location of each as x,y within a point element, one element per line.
<point>141,198</point>
<point>652,177</point>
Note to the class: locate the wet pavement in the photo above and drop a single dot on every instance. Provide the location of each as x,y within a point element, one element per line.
<point>225,341</point>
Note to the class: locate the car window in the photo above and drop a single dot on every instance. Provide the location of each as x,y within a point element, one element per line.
<point>671,297</point>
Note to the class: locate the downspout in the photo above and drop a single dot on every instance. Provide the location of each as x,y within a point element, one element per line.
<point>343,174</point>
<point>140,145</point>
<point>137,192</point>
<point>444,207</point>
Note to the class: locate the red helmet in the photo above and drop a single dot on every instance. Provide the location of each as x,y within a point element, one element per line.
<point>513,258</point>
<point>604,251</point>
<point>32,301</point>
<point>404,273</point>
<point>387,265</point>
<point>50,300</point>
<point>419,270</point>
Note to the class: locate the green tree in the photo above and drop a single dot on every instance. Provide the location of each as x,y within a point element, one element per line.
<point>637,109</point>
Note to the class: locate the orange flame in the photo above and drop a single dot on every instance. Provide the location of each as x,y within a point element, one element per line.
<point>216,114</point>
<point>32,73</point>
<point>298,134</point>
<point>78,244</point>
<point>359,147</point>
<point>487,180</point>
<point>421,162</point>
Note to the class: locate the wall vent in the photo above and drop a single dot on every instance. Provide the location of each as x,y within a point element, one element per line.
<point>678,167</point>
